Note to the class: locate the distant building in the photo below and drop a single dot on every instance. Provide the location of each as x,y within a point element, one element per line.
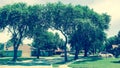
<point>115,46</point>
<point>26,50</point>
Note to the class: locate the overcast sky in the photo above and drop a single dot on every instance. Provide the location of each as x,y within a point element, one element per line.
<point>110,7</point>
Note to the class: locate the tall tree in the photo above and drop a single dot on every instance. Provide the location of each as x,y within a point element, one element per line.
<point>39,23</point>
<point>89,30</point>
<point>46,41</point>
<point>62,20</point>
<point>16,17</point>
<point>43,41</point>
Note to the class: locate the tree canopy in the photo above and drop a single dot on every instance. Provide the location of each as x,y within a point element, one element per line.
<point>45,40</point>
<point>79,23</point>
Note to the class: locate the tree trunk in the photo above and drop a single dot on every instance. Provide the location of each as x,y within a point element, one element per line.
<point>15,53</point>
<point>85,51</point>
<point>38,53</point>
<point>76,53</point>
<point>65,48</point>
<point>15,46</point>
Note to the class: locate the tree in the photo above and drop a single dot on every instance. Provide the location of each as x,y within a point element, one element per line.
<point>90,29</point>
<point>96,47</point>
<point>109,42</point>
<point>22,20</point>
<point>116,51</point>
<point>62,20</point>
<point>66,19</point>
<point>38,20</point>
<point>115,40</point>
<point>45,40</point>
<point>16,20</point>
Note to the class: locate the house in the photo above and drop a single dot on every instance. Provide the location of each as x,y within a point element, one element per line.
<point>58,51</point>
<point>26,50</point>
<point>115,46</point>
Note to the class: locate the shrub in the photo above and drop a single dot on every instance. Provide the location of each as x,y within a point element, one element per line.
<point>1,46</point>
<point>10,53</point>
<point>42,53</point>
<point>1,53</point>
<point>116,52</point>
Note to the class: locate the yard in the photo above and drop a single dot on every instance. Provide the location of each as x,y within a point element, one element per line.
<point>88,62</point>
<point>96,62</point>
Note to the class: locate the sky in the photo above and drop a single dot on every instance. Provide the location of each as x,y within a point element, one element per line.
<point>111,7</point>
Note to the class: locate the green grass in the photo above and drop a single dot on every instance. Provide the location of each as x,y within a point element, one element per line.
<point>95,62</point>
<point>88,62</point>
<point>33,61</point>
<point>10,58</point>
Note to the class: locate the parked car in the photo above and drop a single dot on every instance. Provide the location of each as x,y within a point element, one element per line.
<point>105,54</point>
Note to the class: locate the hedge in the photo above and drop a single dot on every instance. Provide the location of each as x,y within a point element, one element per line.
<point>42,53</point>
<point>1,46</point>
<point>10,53</point>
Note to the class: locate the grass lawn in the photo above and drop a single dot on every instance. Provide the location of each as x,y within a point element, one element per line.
<point>88,62</point>
<point>10,58</point>
<point>54,60</point>
<point>95,62</point>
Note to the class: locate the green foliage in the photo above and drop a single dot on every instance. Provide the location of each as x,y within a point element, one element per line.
<point>43,40</point>
<point>110,41</point>
<point>115,40</point>
<point>89,32</point>
<point>10,53</point>
<point>42,53</point>
<point>33,21</point>
<point>1,46</point>
<point>15,18</point>
<point>118,38</point>
<point>9,43</point>
<point>47,40</point>
<point>116,52</point>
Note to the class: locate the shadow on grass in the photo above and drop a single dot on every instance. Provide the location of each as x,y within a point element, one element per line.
<point>32,61</point>
<point>88,59</point>
<point>116,62</point>
<point>61,61</point>
<point>26,62</point>
<point>46,62</point>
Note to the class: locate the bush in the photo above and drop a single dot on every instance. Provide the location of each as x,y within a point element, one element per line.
<point>1,53</point>
<point>10,53</point>
<point>42,53</point>
<point>116,52</point>
<point>1,46</point>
